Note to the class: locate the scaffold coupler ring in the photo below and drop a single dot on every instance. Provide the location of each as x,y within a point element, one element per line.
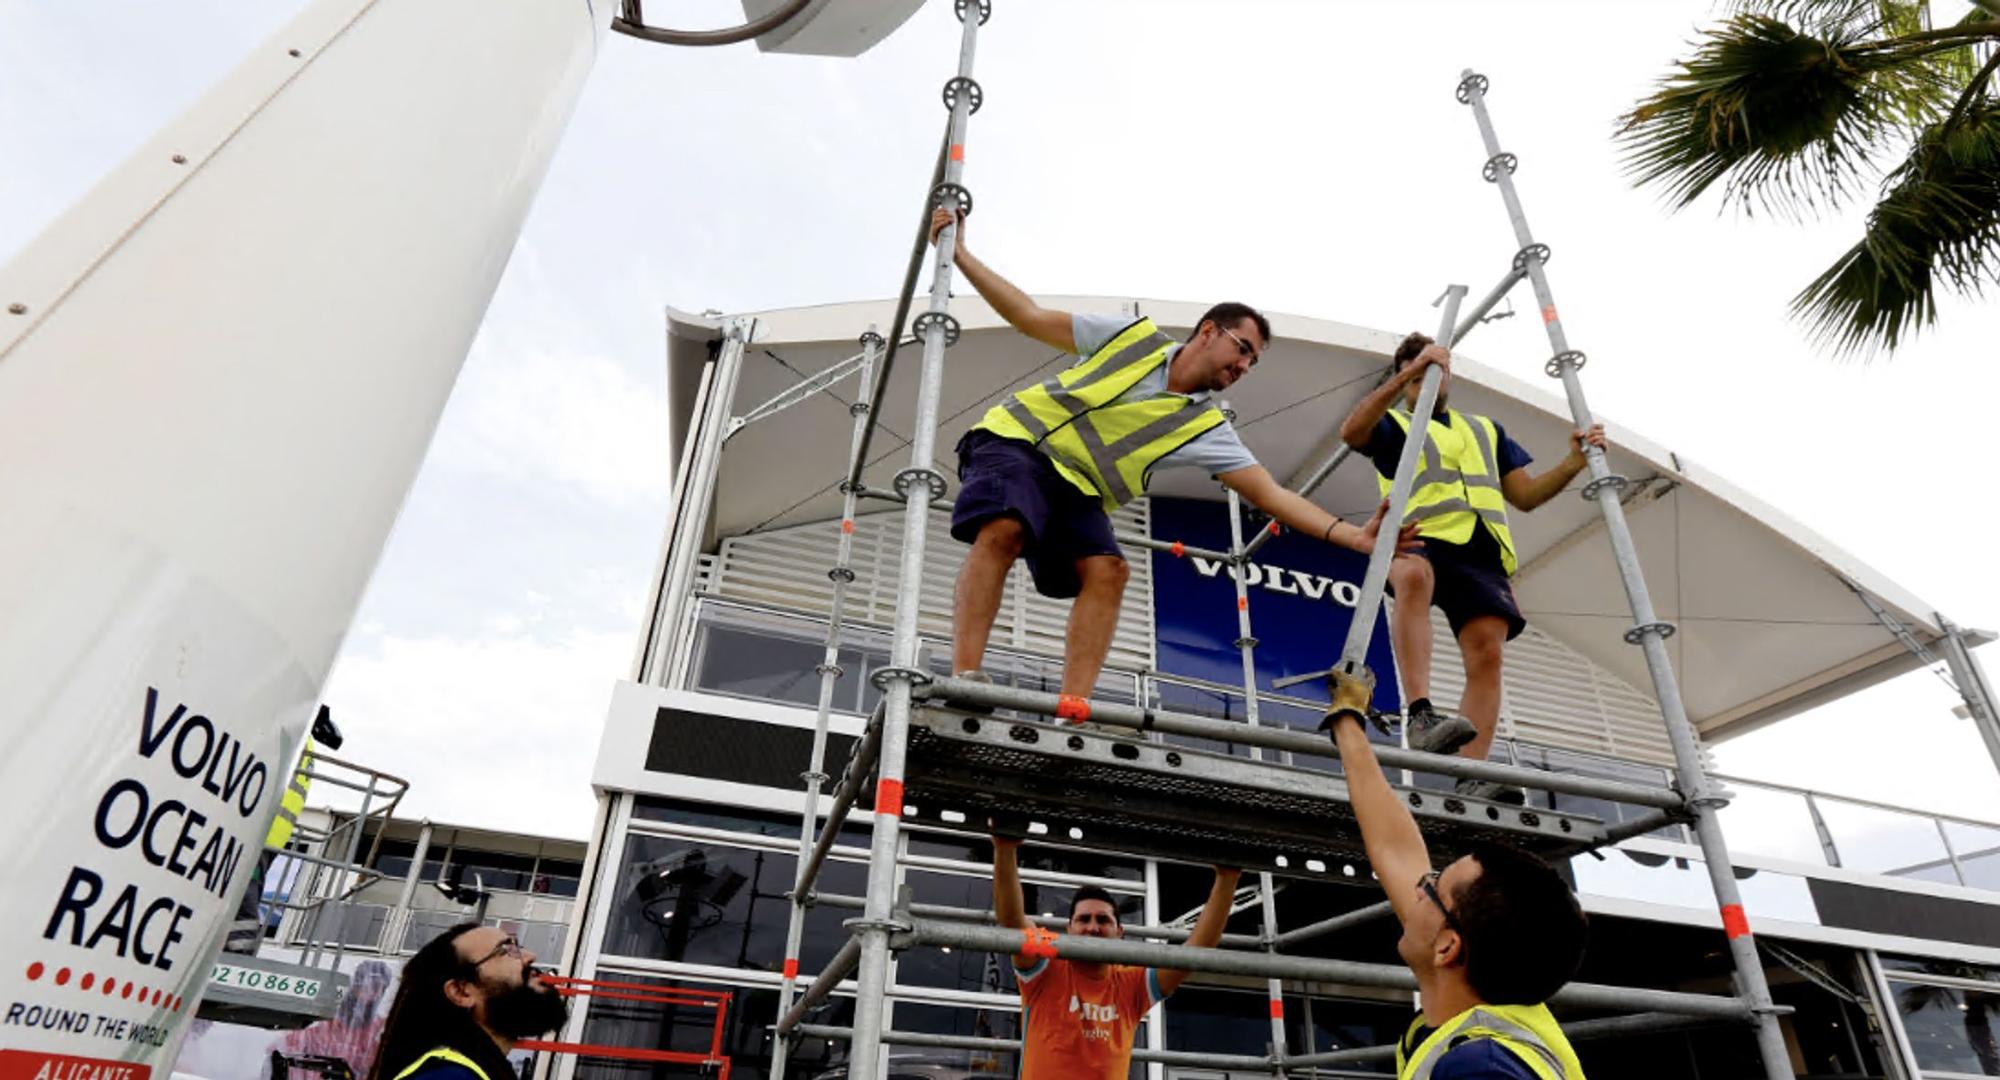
<point>1554,368</point>
<point>1246,642</point>
<point>1708,797</point>
<point>1537,252</point>
<point>985,10</point>
<point>921,325</point>
<point>1466,85</point>
<point>870,338</point>
<point>970,85</point>
<point>882,675</point>
<point>1613,481</point>
<point>841,574</point>
<point>933,480</point>
<point>835,669</point>
<point>810,777</point>
<point>1639,633</point>
<point>1499,161</point>
<point>958,191</point>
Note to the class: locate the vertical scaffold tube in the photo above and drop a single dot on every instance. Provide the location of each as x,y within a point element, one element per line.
<point>1246,644</point>
<point>920,484</point>
<point>1648,631</point>
<point>829,673</point>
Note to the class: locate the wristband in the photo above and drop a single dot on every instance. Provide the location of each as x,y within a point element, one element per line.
<point>1330,526</point>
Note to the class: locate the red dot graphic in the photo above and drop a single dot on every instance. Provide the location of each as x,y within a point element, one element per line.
<point>177,1003</point>
<point>62,976</point>
<point>127,992</point>
<point>35,971</point>
<point>88,978</point>
<point>110,985</point>
<point>156,997</point>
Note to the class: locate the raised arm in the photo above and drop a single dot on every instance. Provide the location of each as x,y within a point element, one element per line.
<point>1395,845</point>
<point>1525,492</point>
<point>1261,490</point>
<point>1009,908</point>
<point>1208,928</point>
<point>1046,325</point>
<point>1361,420</point>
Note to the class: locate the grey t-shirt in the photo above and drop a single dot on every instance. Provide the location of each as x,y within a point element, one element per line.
<point>1216,450</point>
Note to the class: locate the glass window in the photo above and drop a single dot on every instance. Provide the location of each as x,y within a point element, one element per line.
<point>756,822</point>
<point>1951,1030</point>
<point>1954,969</point>
<point>700,902</point>
<point>773,658</point>
<point>1977,848</point>
<point>1218,1021</point>
<point>492,869</point>
<point>1344,1024</point>
<point>1761,821</point>
<point>918,1063</point>
<point>1886,841</point>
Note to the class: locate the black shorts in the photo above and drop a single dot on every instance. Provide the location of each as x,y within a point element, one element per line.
<point>1002,477</point>
<point>1469,581</point>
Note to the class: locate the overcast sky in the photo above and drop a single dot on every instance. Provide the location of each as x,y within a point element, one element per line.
<point>1307,157</point>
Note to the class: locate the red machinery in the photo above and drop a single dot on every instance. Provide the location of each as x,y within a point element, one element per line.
<point>717,1000</point>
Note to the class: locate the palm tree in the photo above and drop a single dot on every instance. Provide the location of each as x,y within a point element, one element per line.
<point>1792,106</point>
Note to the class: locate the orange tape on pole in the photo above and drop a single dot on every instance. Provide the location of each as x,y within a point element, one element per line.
<point>1549,314</point>
<point>1072,708</point>
<point>791,967</point>
<point>1242,603</point>
<point>1038,942</point>
<point>1273,527</point>
<point>889,797</point>
<point>1735,924</point>
<point>958,151</point>
<point>1179,549</point>
<point>1277,1008</point>
<point>847,525</point>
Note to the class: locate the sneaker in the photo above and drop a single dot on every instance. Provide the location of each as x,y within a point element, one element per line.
<point>1434,732</point>
<point>1491,791</point>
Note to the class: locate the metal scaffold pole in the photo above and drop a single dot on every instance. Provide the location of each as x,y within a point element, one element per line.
<point>1246,645</point>
<point>815,776</point>
<point>1648,631</point>
<point>920,485</point>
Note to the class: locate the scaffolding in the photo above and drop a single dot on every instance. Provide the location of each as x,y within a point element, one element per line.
<point>944,743</point>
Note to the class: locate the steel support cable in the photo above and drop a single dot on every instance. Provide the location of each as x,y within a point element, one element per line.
<point>910,273</point>
<point>631,20</point>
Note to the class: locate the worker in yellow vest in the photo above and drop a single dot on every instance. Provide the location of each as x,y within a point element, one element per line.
<point>1040,470</point>
<point>1490,938</point>
<point>463,1001</point>
<point>246,931</point>
<point>1468,476</point>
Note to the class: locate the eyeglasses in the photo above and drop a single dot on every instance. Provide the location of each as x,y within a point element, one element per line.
<point>1429,884</point>
<point>508,946</point>
<point>1242,346</point>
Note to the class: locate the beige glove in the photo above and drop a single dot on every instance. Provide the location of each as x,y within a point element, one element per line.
<point>1351,694</point>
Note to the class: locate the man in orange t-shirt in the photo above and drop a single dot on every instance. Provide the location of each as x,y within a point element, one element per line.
<point>1078,1019</point>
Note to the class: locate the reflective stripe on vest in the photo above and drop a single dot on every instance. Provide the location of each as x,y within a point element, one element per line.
<point>1458,482</point>
<point>1529,1032</point>
<point>292,803</point>
<point>1106,446</point>
<point>443,1053</point>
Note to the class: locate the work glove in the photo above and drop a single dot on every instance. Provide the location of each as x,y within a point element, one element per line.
<point>1350,694</point>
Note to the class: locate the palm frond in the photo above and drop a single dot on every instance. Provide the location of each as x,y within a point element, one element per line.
<point>1938,223</point>
<point>1786,120</point>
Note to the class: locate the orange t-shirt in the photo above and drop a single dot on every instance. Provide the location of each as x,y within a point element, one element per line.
<point>1079,1028</point>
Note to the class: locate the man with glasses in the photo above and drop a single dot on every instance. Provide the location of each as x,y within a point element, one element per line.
<point>1040,470</point>
<point>466,998</point>
<point>1490,937</point>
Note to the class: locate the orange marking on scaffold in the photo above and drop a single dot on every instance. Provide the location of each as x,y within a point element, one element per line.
<point>847,525</point>
<point>1242,603</point>
<point>1549,314</point>
<point>1179,549</point>
<point>1036,941</point>
<point>1277,1008</point>
<point>791,967</point>
<point>1734,923</point>
<point>1072,708</point>
<point>1274,528</point>
<point>958,151</point>
<point>889,797</point>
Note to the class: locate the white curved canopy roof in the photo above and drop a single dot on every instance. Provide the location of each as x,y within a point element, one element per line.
<point>1767,623</point>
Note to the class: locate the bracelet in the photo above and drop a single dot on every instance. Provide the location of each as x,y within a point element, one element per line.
<point>1330,526</point>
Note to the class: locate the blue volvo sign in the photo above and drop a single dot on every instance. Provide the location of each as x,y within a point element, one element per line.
<point>1302,594</point>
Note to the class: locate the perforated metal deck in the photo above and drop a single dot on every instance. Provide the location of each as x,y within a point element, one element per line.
<point>1120,795</point>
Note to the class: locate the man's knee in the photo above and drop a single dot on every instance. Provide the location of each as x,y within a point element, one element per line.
<point>1483,641</point>
<point>1411,576</point>
<point>1003,537</point>
<point>1104,572</point>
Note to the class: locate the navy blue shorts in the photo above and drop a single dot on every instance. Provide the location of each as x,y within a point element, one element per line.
<point>1468,581</point>
<point>1002,477</point>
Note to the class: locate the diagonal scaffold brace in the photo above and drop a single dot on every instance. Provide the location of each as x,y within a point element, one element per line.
<point>1648,631</point>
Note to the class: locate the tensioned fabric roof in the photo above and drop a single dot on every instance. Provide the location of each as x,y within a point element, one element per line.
<point>1767,624</point>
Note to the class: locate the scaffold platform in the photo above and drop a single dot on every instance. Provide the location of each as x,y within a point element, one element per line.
<point>1120,795</point>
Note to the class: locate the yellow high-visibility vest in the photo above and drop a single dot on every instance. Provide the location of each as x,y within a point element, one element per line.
<point>292,803</point>
<point>443,1053</point>
<point>1529,1032</point>
<point>1104,446</point>
<point>1458,482</point>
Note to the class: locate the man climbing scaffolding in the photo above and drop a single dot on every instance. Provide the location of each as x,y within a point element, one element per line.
<point>1039,472</point>
<point>1490,937</point>
<point>1470,472</point>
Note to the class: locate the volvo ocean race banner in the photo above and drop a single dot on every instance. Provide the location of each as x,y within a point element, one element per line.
<point>1302,594</point>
